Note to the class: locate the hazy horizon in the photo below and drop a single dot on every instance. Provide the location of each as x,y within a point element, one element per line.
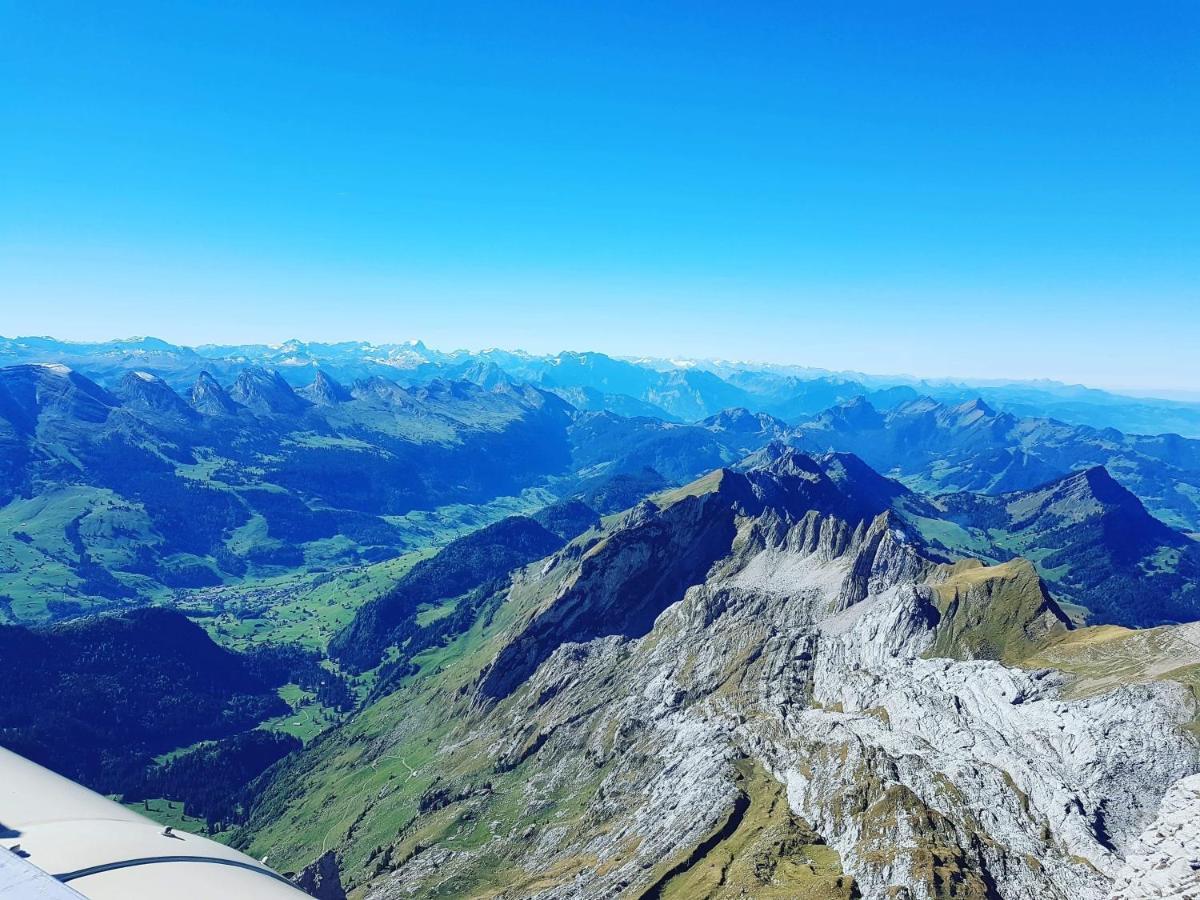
<point>931,378</point>
<point>1009,194</point>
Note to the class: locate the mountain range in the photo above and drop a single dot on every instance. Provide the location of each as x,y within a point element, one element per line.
<point>676,390</point>
<point>118,497</point>
<point>467,625</point>
<point>115,496</point>
<point>763,684</point>
<point>973,447</point>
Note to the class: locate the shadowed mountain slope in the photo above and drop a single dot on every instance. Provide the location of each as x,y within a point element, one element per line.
<point>95,699</point>
<point>1094,542</point>
<point>972,447</point>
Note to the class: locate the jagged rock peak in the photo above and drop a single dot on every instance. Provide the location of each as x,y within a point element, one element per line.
<point>740,420</point>
<point>856,478</point>
<point>793,482</point>
<point>26,391</point>
<point>858,414</point>
<point>447,388</point>
<point>788,462</point>
<point>1104,487</point>
<point>763,457</point>
<point>972,407</point>
<point>488,375</point>
<point>376,387</point>
<point>850,466</point>
<point>918,406</point>
<point>146,392</point>
<point>210,399</point>
<point>265,391</point>
<point>1082,493</point>
<point>325,391</point>
<point>858,406</point>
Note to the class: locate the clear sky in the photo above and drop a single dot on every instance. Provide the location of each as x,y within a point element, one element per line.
<point>939,188</point>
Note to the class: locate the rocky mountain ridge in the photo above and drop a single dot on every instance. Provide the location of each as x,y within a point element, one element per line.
<point>614,723</point>
<point>937,448</point>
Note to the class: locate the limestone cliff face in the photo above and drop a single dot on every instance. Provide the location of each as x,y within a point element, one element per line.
<point>1164,862</point>
<point>647,686</point>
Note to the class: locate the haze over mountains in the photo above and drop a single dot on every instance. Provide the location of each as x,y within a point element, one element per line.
<point>684,390</point>
<point>168,476</point>
<point>573,626</point>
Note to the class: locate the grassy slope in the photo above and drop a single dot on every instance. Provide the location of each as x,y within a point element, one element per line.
<point>993,612</point>
<point>297,608</point>
<point>1097,658</point>
<point>308,717</point>
<point>307,608</point>
<point>360,787</point>
<point>439,526</point>
<point>170,812</point>
<point>361,793</point>
<point>706,484</point>
<point>37,559</point>
<point>770,855</point>
<point>1106,656</point>
<point>39,564</point>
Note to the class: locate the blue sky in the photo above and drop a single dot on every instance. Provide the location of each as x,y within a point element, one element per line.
<point>981,189</point>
